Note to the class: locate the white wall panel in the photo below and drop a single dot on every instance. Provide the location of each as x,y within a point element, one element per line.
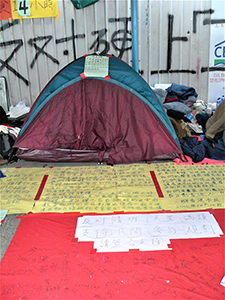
<point>107,25</point>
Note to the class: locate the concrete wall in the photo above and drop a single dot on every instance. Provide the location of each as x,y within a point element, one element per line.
<point>174,41</point>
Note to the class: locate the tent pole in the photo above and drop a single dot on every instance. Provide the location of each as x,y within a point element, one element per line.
<point>134,31</point>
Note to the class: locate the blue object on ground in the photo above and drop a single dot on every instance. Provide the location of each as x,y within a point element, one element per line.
<point>1,174</point>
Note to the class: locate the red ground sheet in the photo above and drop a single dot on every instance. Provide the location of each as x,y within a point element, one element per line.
<point>205,161</point>
<point>44,261</point>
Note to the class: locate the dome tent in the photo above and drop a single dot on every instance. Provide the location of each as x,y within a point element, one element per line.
<point>115,118</point>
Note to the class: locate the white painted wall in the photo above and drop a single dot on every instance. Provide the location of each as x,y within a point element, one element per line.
<point>188,63</point>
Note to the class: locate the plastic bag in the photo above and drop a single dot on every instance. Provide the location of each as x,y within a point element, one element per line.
<point>19,110</point>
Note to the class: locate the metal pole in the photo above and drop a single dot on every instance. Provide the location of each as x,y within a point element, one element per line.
<point>134,32</point>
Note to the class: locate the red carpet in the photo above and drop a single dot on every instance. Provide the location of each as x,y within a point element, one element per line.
<point>44,261</point>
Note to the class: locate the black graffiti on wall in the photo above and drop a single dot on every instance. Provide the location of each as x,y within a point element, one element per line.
<point>5,64</point>
<point>199,12</point>
<point>120,37</point>
<point>70,38</point>
<point>124,39</point>
<point>172,39</point>
<point>33,42</point>
<point>100,41</point>
<point>7,25</point>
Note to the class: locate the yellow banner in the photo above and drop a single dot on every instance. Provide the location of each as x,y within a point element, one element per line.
<point>36,8</point>
<point>106,189</point>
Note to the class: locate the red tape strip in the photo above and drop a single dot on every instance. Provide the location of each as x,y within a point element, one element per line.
<point>82,75</point>
<point>157,186</point>
<point>42,185</point>
<point>133,250</point>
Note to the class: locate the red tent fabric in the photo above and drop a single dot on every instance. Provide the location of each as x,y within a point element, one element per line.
<point>98,115</point>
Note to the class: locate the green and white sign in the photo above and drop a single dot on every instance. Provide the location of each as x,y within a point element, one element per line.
<point>217,52</point>
<point>23,8</point>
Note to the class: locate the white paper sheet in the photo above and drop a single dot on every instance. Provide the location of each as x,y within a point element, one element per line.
<point>121,232</point>
<point>223,281</point>
<point>2,215</point>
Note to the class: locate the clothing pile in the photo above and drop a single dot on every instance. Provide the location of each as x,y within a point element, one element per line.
<point>9,131</point>
<point>190,117</point>
<point>178,101</point>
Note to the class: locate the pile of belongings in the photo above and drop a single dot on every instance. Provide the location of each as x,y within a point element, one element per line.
<point>9,130</point>
<point>190,117</point>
